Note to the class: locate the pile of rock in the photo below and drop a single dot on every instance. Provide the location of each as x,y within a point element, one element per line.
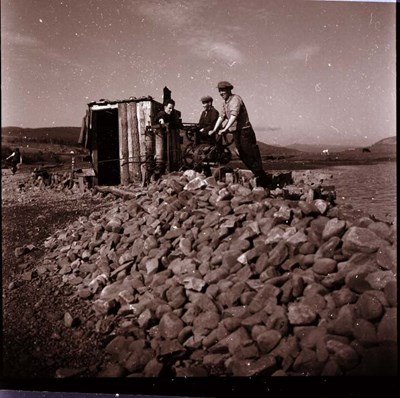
<point>196,277</point>
<point>59,181</point>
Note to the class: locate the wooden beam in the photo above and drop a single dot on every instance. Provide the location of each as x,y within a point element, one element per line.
<point>133,143</point>
<point>142,136</point>
<point>123,143</point>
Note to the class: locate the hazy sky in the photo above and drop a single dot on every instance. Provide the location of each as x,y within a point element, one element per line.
<point>308,71</point>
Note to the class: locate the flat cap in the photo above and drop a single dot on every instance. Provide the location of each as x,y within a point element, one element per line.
<point>206,98</point>
<point>224,84</point>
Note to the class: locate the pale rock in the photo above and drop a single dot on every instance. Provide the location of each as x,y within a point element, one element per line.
<point>283,214</point>
<point>275,235</point>
<point>379,279</point>
<point>297,239</point>
<point>152,266</point>
<point>193,283</point>
<point>144,318</point>
<point>195,184</point>
<point>334,227</point>
<point>301,314</point>
<point>363,240</point>
<point>321,205</point>
<point>386,257</point>
<point>170,325</point>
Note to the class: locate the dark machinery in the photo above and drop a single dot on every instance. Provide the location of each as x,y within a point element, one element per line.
<point>167,150</point>
<point>203,151</point>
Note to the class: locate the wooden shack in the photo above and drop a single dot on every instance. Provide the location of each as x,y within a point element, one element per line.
<point>116,132</point>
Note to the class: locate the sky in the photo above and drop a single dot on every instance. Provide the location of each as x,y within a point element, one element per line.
<point>309,72</point>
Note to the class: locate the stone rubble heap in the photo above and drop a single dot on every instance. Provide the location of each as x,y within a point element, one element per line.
<point>41,179</point>
<point>196,277</point>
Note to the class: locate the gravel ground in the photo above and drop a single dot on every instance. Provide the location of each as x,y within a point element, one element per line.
<point>36,343</point>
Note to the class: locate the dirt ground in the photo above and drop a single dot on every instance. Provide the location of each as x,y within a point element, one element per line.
<point>36,343</point>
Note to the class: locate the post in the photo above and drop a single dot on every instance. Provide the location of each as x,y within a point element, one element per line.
<point>142,136</point>
<point>123,142</point>
<point>133,143</point>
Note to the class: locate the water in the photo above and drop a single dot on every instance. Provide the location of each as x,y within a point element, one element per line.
<point>370,188</point>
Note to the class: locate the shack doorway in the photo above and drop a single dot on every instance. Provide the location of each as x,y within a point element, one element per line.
<point>105,123</point>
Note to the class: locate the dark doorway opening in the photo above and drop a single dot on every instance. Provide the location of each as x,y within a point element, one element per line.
<point>105,125</point>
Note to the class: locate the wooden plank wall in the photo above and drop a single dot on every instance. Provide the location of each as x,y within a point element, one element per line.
<point>141,133</point>
<point>133,117</point>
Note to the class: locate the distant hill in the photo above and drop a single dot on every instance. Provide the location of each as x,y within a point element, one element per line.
<point>385,145</point>
<point>61,135</point>
<point>70,135</point>
<point>271,150</point>
<point>317,148</point>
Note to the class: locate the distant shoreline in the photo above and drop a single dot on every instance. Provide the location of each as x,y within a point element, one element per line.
<point>284,164</point>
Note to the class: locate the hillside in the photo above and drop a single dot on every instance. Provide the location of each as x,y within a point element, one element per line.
<point>386,145</point>
<point>317,148</point>
<point>386,141</point>
<point>63,135</point>
<point>69,136</point>
<point>271,150</point>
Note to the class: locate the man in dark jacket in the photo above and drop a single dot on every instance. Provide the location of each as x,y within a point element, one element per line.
<point>238,123</point>
<point>209,116</point>
<point>168,115</point>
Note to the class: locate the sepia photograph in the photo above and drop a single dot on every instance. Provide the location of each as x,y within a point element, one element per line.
<point>198,197</point>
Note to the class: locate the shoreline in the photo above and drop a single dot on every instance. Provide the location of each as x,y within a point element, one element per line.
<point>282,164</point>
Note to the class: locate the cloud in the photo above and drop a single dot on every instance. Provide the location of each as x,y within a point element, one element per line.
<point>16,39</point>
<point>175,14</point>
<point>206,46</point>
<point>29,47</point>
<point>301,53</point>
<point>189,22</point>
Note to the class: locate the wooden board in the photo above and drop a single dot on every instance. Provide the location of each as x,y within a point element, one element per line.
<point>123,143</point>
<point>133,143</point>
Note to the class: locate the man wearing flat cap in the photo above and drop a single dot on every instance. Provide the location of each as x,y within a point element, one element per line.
<point>234,110</point>
<point>209,116</point>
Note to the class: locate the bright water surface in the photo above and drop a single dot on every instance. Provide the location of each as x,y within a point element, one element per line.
<point>370,188</point>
